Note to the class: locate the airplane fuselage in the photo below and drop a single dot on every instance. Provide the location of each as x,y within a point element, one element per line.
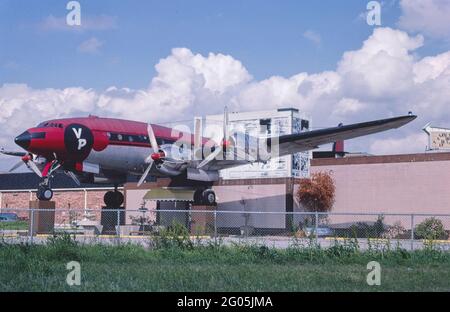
<point>95,145</point>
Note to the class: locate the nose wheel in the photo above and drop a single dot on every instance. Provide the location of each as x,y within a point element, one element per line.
<point>44,192</point>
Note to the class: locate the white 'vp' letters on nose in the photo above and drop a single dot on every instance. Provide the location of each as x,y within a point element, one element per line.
<point>81,142</point>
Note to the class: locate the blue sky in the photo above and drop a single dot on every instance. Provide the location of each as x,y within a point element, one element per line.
<point>318,56</point>
<point>266,36</point>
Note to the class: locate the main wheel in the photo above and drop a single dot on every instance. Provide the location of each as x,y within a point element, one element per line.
<point>198,200</point>
<point>209,197</point>
<point>118,197</point>
<point>113,199</point>
<point>44,193</point>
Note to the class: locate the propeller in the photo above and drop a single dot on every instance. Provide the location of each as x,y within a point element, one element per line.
<point>27,159</point>
<point>223,144</point>
<point>154,158</point>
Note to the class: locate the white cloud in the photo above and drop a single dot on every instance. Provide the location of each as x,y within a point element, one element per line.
<point>313,37</point>
<point>382,67</point>
<point>347,106</point>
<point>90,46</point>
<point>414,143</point>
<point>430,17</point>
<point>380,79</point>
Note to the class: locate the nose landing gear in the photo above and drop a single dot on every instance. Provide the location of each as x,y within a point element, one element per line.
<point>44,191</point>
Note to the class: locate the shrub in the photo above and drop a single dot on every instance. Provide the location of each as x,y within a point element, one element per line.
<point>395,231</point>
<point>431,228</point>
<point>175,236</point>
<point>317,193</point>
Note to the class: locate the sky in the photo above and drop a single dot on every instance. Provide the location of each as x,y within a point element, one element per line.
<point>165,61</point>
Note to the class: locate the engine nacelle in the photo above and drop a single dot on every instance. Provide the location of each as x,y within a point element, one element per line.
<point>173,161</point>
<point>175,154</point>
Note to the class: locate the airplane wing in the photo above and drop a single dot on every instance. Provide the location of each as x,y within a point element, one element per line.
<point>294,143</point>
<point>206,169</point>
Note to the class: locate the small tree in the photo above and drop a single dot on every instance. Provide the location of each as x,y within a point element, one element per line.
<point>431,228</point>
<point>317,192</point>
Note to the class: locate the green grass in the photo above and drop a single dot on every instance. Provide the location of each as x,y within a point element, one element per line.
<point>210,268</point>
<point>15,225</point>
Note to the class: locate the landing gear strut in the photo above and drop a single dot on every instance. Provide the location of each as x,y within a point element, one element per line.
<point>44,191</point>
<point>113,199</point>
<point>205,197</point>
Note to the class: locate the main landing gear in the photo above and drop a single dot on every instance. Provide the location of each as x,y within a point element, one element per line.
<point>205,197</point>
<point>113,199</point>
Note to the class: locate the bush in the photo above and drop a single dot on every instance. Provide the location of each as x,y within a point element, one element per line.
<point>431,228</point>
<point>317,193</point>
<point>175,236</point>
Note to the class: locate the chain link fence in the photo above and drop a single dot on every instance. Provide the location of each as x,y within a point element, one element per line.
<point>272,229</point>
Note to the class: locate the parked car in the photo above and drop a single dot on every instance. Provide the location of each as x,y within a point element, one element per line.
<point>8,217</point>
<point>322,231</point>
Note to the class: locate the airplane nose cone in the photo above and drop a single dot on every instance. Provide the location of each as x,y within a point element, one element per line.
<point>23,140</point>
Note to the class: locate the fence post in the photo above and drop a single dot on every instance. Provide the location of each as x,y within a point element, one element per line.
<point>215,227</point>
<point>31,228</point>
<point>85,202</point>
<point>118,225</point>
<point>412,232</point>
<point>316,227</point>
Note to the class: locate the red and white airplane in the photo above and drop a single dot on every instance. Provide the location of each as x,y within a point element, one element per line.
<point>105,150</point>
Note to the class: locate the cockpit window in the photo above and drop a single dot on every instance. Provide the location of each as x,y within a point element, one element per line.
<point>47,124</point>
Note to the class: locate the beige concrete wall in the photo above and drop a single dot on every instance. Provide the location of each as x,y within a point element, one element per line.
<point>403,187</point>
<point>269,197</point>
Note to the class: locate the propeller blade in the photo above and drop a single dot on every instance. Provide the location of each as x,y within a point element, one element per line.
<point>20,163</point>
<point>152,138</point>
<point>11,153</point>
<point>210,157</point>
<point>146,172</point>
<point>198,133</point>
<point>225,123</point>
<point>30,164</point>
<point>73,177</point>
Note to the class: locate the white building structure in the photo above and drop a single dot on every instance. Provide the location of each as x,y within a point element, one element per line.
<point>259,124</point>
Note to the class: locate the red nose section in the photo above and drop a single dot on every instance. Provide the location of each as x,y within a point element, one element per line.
<point>42,141</point>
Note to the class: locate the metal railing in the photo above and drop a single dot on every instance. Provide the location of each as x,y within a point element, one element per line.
<point>277,229</point>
